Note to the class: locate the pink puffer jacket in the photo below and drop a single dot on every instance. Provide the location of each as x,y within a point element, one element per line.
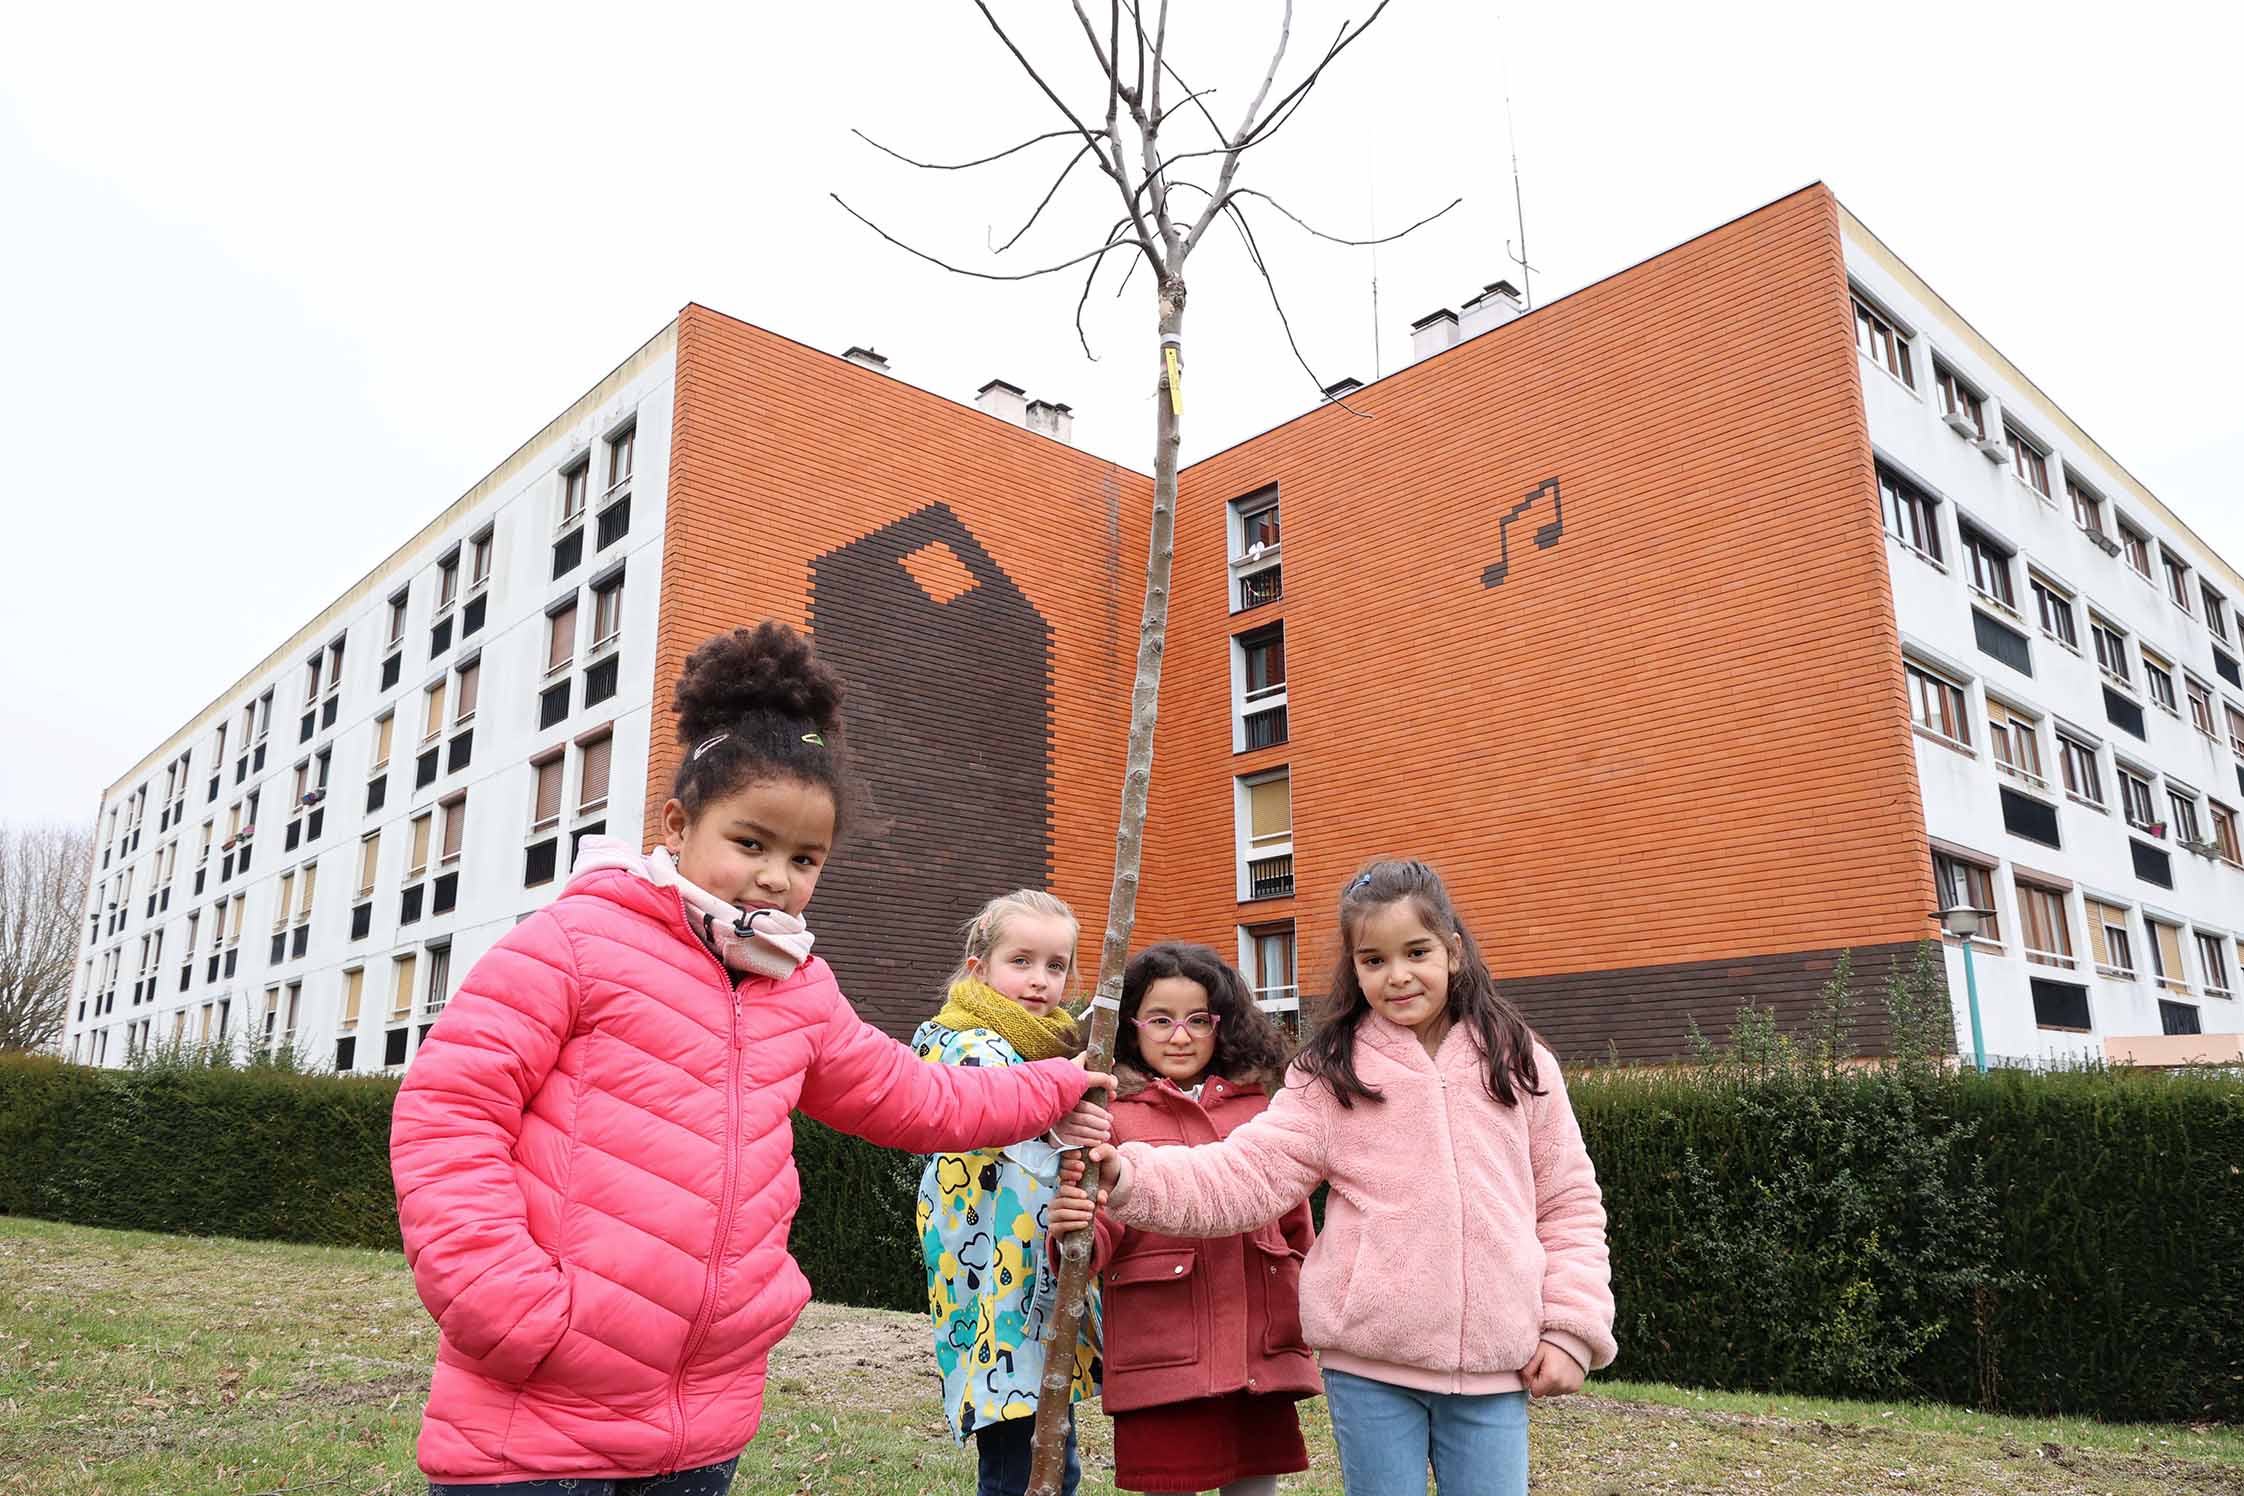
<point>595,1177</point>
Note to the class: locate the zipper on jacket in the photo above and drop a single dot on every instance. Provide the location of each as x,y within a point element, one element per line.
<point>700,1328</point>
<point>1457,1177</point>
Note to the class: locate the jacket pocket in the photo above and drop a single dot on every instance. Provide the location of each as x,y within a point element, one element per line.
<point>1151,1315</point>
<point>1281,1294</point>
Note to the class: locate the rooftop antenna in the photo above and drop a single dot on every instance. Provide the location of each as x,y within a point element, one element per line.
<point>1519,256</point>
<point>1378,370</point>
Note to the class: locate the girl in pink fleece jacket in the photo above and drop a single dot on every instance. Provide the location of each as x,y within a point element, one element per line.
<point>1463,1263</point>
<point>595,1172</point>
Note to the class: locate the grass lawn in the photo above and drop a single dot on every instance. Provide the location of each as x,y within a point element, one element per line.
<point>133,1364</point>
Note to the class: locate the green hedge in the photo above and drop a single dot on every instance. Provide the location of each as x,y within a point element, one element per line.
<point>2025,1242</point>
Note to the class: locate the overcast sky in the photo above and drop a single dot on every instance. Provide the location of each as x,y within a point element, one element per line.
<point>279,283</point>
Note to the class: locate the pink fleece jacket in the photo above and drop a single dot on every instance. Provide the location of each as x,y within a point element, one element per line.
<point>1459,1232</point>
<point>595,1177</point>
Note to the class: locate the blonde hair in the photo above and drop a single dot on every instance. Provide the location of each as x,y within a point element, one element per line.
<point>987,928</point>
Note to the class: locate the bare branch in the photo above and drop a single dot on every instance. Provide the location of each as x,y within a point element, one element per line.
<point>1149,187</point>
<point>1254,254</point>
<point>1129,269</point>
<point>1335,238</point>
<point>1154,104</point>
<point>1113,167</point>
<point>959,165</point>
<point>1347,38</point>
<point>1190,98</point>
<point>1246,133</point>
<point>962,270</point>
<point>1049,195</point>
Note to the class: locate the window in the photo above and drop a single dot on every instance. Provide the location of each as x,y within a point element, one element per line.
<point>2184,803</point>
<point>622,447</point>
<point>1262,672</point>
<point>455,828</point>
<point>2042,912</point>
<point>2027,461</point>
<point>479,559</point>
<point>2137,548</point>
<point>354,991</point>
<point>418,863</point>
<point>1990,569</point>
<point>401,987</point>
<point>397,622</point>
<point>1960,400</point>
<point>334,667</point>
<point>1256,577</point>
<point>2111,650</point>
<point>2216,611</point>
<point>1959,884</point>
<point>2062,1006</point>
<point>1258,523</point>
<point>304,889</point>
<point>280,905</point>
<point>2177,578</point>
<point>447,581</point>
<point>1271,966</point>
<point>2136,804</point>
<point>1875,337</point>
<point>607,612</point>
<point>545,800</point>
<point>2235,733</point>
<point>432,721</point>
<point>2166,956</point>
<point>1937,706</point>
<point>592,773</point>
<point>1910,516</point>
<point>2224,832</point>
<point>2178,1018</point>
<point>2200,706</point>
<point>1266,807</point>
<point>573,484</point>
<point>2053,606</point>
<point>2159,676</point>
<point>2015,738</point>
<point>440,979</point>
<point>2108,940</point>
<point>463,695</point>
<point>2088,510</point>
<point>561,637</point>
<point>2212,959</point>
<point>369,858</point>
<point>382,727</point>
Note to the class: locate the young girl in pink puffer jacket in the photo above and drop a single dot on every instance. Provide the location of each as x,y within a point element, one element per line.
<point>594,1166</point>
<point>1463,1262</point>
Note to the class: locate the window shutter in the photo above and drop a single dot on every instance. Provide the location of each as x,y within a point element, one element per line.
<point>420,844</point>
<point>2098,914</point>
<point>592,773</point>
<point>455,826</point>
<point>561,637</point>
<point>435,721</point>
<point>280,905</point>
<point>304,891</point>
<point>549,791</point>
<point>369,854</point>
<point>2169,942</point>
<point>354,982</point>
<point>1270,809</point>
<point>401,1002</point>
<point>464,708</point>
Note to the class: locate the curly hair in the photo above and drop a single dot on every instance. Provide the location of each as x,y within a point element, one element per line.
<point>1248,1044</point>
<point>756,704</point>
<point>1505,1040</point>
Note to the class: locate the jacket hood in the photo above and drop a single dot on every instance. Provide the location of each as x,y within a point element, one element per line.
<point>1129,1080</point>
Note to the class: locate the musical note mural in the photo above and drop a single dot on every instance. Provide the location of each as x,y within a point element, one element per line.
<point>1546,535</point>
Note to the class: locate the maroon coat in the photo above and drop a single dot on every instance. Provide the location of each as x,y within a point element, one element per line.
<point>1188,1318</point>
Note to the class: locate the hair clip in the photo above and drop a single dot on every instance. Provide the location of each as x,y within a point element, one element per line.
<point>708,743</point>
<point>811,737</point>
<point>1363,881</point>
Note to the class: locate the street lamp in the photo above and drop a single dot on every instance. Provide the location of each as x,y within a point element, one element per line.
<point>1963,922</point>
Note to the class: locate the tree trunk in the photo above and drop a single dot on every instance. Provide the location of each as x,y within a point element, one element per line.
<point>1066,1327</point>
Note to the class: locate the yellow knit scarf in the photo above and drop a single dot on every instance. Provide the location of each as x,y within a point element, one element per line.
<point>974,1005</point>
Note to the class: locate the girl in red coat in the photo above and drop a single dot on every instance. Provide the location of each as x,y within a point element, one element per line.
<point>1204,1356</point>
<point>594,1165</point>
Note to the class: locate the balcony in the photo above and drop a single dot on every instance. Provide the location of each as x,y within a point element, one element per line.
<point>1270,877</point>
<point>1260,587</point>
<point>1265,727</point>
<point>615,523</point>
<point>553,705</point>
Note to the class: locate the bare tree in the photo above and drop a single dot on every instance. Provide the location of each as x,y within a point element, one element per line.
<point>1165,215</point>
<point>43,875</point>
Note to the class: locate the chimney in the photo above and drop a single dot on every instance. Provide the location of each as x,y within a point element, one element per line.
<point>1008,402</point>
<point>1429,335</point>
<point>1497,303</point>
<point>865,358</point>
<point>1342,388</point>
<point>1052,419</point>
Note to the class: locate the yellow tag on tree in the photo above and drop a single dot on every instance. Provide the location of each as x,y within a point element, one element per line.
<point>1176,380</point>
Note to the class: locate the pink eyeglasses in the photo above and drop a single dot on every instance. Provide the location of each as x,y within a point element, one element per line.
<point>1161,1025</point>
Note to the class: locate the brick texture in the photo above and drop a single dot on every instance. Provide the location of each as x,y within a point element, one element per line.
<point>1677,735</point>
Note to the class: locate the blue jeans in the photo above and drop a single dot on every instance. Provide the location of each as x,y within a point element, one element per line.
<point>1008,1449</point>
<point>708,1480</point>
<point>1388,1434</point>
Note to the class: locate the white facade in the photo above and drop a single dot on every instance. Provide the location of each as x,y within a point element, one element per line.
<point>184,945</point>
<point>1984,497</point>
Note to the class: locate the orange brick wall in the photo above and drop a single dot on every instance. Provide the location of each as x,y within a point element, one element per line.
<point>1676,736</point>
<point>793,470</point>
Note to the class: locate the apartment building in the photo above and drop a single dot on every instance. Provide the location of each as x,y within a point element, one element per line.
<point>1732,612</point>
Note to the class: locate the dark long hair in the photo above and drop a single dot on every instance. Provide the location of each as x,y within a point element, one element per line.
<point>1503,1035</point>
<point>1247,1042</point>
<point>756,704</point>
